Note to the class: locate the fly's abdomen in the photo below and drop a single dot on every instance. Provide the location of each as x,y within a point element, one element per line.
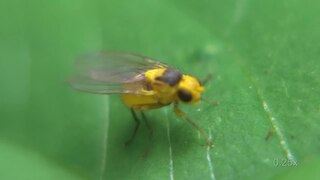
<point>140,102</point>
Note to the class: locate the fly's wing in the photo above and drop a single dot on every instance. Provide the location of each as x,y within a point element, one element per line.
<point>109,72</point>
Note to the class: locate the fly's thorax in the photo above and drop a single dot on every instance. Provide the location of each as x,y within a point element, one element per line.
<point>152,74</point>
<point>164,82</point>
<point>189,90</point>
<point>170,85</point>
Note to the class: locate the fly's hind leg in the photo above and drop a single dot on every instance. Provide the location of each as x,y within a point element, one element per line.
<point>146,150</point>
<point>141,108</point>
<point>147,124</point>
<point>136,120</point>
<point>182,115</point>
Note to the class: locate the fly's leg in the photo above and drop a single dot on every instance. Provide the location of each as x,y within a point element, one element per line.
<point>148,125</point>
<point>182,115</point>
<point>136,120</point>
<point>145,119</point>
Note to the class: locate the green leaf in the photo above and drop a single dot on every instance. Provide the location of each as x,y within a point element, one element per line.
<point>21,163</point>
<point>263,55</point>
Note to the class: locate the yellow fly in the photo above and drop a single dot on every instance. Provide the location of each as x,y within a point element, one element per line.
<point>143,83</point>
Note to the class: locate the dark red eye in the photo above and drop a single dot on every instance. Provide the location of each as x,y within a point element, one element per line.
<point>184,95</point>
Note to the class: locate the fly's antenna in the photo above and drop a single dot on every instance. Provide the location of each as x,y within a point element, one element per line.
<point>212,103</point>
<point>206,79</point>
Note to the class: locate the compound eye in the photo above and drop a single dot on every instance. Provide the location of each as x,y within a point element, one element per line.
<point>184,95</point>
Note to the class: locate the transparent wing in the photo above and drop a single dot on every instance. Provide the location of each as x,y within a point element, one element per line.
<point>110,72</point>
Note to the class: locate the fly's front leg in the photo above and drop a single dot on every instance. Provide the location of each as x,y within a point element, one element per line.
<point>182,115</point>
<point>136,120</point>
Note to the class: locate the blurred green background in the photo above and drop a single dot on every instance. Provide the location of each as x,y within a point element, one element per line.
<point>264,56</point>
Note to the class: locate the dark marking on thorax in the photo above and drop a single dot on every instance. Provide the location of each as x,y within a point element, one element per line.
<point>171,77</point>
